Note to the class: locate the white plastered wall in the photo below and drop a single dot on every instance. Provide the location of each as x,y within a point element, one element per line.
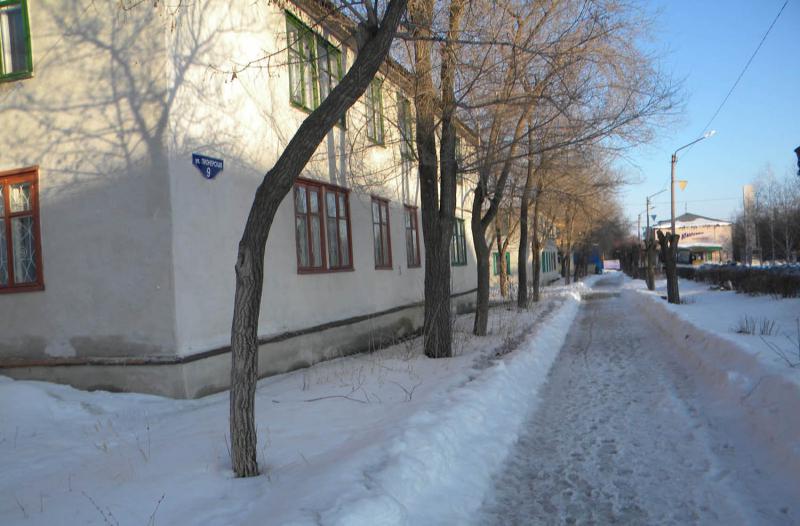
<point>91,119</point>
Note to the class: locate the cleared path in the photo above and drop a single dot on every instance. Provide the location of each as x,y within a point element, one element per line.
<point>622,435</point>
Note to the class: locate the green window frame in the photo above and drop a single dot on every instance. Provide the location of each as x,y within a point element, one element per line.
<point>315,65</point>
<point>458,247</point>
<point>496,262</point>
<point>16,56</point>
<point>405,124</point>
<point>374,113</point>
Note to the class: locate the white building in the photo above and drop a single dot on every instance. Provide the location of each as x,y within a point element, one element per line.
<point>703,239</point>
<point>117,254</point>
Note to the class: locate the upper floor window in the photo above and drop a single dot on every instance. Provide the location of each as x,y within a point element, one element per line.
<point>322,227</point>
<point>458,248</point>
<point>405,124</point>
<point>374,103</point>
<point>315,65</point>
<point>412,237</point>
<point>20,244</point>
<point>15,42</point>
<point>380,230</point>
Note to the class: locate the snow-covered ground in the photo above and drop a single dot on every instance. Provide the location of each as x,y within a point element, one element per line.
<point>751,373</point>
<point>384,438</point>
<point>395,438</point>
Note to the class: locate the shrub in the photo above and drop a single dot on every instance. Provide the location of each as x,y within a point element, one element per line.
<point>781,282</point>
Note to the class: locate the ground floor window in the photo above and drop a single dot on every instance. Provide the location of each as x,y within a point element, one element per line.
<point>412,237</point>
<point>380,231</point>
<point>496,263</point>
<point>322,227</point>
<point>548,261</point>
<point>20,243</point>
<point>458,248</point>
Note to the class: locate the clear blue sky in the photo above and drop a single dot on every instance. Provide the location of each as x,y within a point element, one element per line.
<point>707,44</point>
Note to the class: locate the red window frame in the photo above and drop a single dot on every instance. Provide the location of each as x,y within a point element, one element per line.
<point>342,196</point>
<point>383,260</point>
<point>412,229</point>
<point>22,175</point>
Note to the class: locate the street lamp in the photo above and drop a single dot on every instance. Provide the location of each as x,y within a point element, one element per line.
<point>672,178</point>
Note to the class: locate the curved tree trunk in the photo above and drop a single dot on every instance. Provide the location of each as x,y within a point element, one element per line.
<point>276,185</point>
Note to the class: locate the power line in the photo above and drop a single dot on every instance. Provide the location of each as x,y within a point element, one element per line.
<point>750,60</point>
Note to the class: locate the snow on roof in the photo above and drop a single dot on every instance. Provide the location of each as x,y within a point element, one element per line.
<point>689,220</point>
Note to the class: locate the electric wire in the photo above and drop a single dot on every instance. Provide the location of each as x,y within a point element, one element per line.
<point>741,74</point>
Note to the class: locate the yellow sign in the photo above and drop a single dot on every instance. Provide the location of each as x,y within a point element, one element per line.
<point>682,184</point>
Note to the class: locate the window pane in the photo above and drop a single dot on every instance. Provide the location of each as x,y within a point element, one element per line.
<point>345,243</point>
<point>20,197</point>
<point>309,69</point>
<point>313,201</point>
<point>300,199</point>
<point>295,67</point>
<point>330,199</point>
<point>22,245</point>
<point>376,232</point>
<point>316,242</point>
<point>13,39</point>
<point>410,247</point>
<point>302,241</point>
<point>333,243</point>
<point>2,201</point>
<point>3,255</point>
<point>375,212</point>
<point>342,205</point>
<point>324,69</point>
<point>335,65</point>
<point>385,242</point>
<point>384,213</point>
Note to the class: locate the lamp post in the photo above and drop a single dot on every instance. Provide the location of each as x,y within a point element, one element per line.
<point>672,177</point>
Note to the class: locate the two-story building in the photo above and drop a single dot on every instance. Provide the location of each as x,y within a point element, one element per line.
<point>117,250</point>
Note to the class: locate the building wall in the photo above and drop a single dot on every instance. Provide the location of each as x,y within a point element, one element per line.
<point>91,119</point>
<point>138,247</point>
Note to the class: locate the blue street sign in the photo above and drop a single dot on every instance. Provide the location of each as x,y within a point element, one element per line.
<point>208,166</point>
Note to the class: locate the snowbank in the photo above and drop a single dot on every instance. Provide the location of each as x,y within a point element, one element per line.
<point>438,471</point>
<point>740,368</point>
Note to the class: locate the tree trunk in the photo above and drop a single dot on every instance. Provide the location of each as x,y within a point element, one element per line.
<point>502,271</point>
<point>669,253</point>
<point>438,202</point>
<point>481,322</point>
<point>522,261</point>
<point>536,250</point>
<point>650,276</point>
<point>249,267</point>
<point>522,255</point>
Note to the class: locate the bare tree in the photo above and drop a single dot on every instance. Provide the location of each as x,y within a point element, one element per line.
<point>374,37</point>
<point>437,171</point>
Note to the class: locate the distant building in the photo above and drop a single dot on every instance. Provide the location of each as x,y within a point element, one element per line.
<point>703,239</point>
